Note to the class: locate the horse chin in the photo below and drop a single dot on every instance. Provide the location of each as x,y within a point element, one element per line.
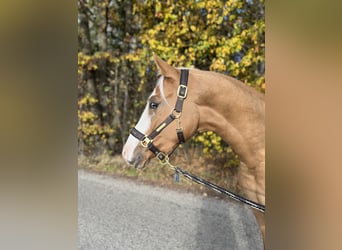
<point>141,165</point>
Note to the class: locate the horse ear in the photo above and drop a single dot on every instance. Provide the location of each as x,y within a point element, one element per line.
<point>165,69</point>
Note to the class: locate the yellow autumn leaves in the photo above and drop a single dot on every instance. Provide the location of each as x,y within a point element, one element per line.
<point>222,36</point>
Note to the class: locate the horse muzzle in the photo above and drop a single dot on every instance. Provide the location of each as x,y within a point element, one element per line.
<point>137,159</point>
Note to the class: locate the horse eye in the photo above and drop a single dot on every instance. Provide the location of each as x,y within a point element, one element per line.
<point>154,105</point>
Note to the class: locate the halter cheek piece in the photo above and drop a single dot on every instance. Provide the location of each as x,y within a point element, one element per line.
<point>147,140</point>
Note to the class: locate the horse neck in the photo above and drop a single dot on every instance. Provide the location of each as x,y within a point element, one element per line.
<point>234,111</point>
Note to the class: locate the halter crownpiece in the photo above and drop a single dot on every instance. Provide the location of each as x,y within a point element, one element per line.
<point>147,140</point>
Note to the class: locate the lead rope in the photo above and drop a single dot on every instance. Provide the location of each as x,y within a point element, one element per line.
<point>177,170</point>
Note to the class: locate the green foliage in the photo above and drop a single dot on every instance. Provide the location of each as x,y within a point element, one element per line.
<point>115,67</point>
<point>215,149</point>
<point>223,36</point>
<point>88,129</point>
<point>109,103</point>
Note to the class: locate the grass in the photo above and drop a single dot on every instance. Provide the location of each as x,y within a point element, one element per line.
<point>155,174</point>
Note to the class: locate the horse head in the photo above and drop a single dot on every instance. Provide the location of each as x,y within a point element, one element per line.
<point>170,117</point>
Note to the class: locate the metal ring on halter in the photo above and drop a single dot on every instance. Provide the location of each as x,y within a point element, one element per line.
<point>176,114</point>
<point>145,142</point>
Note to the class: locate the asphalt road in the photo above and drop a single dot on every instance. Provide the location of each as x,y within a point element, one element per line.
<point>120,214</point>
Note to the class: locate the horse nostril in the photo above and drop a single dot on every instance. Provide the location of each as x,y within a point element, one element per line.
<point>132,158</point>
<point>135,162</point>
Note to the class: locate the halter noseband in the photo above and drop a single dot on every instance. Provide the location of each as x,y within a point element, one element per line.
<point>147,141</point>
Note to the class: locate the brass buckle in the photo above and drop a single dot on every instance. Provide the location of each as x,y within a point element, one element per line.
<point>179,91</point>
<point>145,142</point>
<point>163,158</point>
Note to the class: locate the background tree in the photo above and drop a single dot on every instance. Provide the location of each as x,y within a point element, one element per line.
<point>116,72</point>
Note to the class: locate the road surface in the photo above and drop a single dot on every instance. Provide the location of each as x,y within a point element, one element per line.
<point>116,213</point>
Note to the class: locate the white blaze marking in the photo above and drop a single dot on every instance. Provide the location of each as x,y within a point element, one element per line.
<point>161,87</point>
<point>132,142</point>
<point>143,125</point>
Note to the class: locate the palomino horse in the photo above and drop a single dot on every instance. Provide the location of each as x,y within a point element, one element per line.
<point>212,102</point>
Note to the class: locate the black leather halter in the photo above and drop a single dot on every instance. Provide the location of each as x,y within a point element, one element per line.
<point>147,140</point>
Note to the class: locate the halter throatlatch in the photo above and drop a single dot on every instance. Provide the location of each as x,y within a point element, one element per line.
<point>147,140</point>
